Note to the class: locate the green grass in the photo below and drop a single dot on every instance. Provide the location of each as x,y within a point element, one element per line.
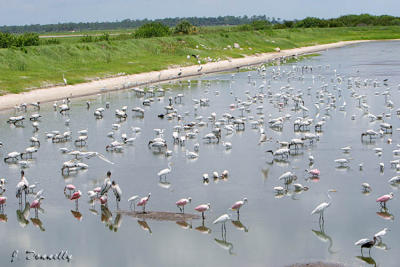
<point>34,67</point>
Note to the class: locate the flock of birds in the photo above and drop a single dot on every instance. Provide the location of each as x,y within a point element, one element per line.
<point>190,124</point>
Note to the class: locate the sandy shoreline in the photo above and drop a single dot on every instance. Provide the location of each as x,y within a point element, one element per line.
<point>94,87</point>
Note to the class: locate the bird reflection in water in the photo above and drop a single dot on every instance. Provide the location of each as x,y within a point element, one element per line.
<point>3,217</point>
<point>203,229</point>
<point>321,235</point>
<point>117,222</point>
<point>239,225</point>
<point>384,213</point>
<point>38,223</point>
<point>381,245</point>
<point>106,215</point>
<point>184,225</point>
<point>164,184</point>
<point>77,214</point>
<point>368,260</point>
<point>224,244</point>
<point>23,215</point>
<point>143,224</point>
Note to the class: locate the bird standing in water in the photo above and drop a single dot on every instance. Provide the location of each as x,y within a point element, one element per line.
<point>117,192</point>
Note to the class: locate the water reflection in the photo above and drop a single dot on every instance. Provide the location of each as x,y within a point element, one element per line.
<point>384,213</point>
<point>23,215</point>
<point>143,224</point>
<point>321,235</point>
<point>203,229</point>
<point>239,225</point>
<point>368,260</point>
<point>184,225</point>
<point>38,223</point>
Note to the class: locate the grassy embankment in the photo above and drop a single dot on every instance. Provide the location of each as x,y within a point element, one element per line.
<point>40,66</point>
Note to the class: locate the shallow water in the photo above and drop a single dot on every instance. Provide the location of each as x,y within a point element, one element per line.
<point>274,231</point>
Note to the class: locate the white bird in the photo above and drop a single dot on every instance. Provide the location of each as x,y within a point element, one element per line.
<point>323,206</point>
<point>381,233</point>
<point>132,200</point>
<point>165,171</point>
<point>222,220</point>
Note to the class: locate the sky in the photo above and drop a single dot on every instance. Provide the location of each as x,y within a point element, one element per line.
<point>21,12</point>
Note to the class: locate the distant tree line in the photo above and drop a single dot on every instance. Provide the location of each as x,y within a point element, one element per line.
<point>128,24</point>
<point>309,22</point>
<point>14,36</point>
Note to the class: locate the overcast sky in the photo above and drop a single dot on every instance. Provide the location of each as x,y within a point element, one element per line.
<point>20,12</point>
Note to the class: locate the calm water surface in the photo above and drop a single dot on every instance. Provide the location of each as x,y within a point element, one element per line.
<point>273,232</point>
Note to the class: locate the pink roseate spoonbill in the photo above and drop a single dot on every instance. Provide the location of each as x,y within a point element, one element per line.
<point>313,172</point>
<point>117,192</point>
<point>132,200</point>
<point>36,204</point>
<point>97,190</point>
<point>2,203</point>
<point>238,204</point>
<point>70,188</point>
<point>75,196</point>
<point>182,202</point>
<point>143,202</point>
<point>203,208</point>
<point>385,198</point>
<point>320,209</point>
<point>103,200</point>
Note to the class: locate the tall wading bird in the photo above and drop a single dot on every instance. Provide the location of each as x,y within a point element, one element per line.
<point>36,204</point>
<point>320,209</point>
<point>132,200</point>
<point>164,172</point>
<point>203,208</point>
<point>222,220</point>
<point>385,198</point>
<point>106,185</point>
<point>143,201</point>
<point>238,204</point>
<point>22,187</point>
<point>75,196</point>
<point>117,192</point>
<point>181,203</point>
<point>366,243</point>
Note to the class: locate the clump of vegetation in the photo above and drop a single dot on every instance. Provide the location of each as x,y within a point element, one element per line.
<point>8,40</point>
<point>153,29</point>
<point>184,27</point>
<point>255,25</point>
<point>50,41</point>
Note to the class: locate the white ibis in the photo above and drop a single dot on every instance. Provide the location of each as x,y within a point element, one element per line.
<point>132,200</point>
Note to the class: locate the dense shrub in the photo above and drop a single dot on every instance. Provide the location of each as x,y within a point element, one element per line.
<point>184,27</point>
<point>18,40</point>
<point>153,29</point>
